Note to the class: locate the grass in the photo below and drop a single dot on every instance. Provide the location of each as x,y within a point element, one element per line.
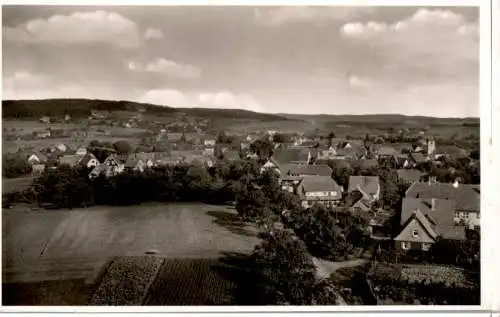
<point>126,281</point>
<point>16,184</point>
<point>174,230</point>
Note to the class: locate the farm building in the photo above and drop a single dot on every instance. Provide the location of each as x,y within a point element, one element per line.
<point>37,158</point>
<point>319,190</point>
<point>409,175</point>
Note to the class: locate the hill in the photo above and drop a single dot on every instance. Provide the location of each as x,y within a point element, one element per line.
<point>81,108</point>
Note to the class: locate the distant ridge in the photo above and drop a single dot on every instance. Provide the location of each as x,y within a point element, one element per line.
<point>80,108</point>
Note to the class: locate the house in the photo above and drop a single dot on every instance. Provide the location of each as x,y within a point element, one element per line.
<point>465,198</point>
<point>209,142</point>
<point>37,169</point>
<point>290,183</point>
<point>417,158</point>
<point>112,165</point>
<point>37,158</point>
<point>423,220</point>
<point>134,163</point>
<point>306,170</point>
<point>244,145</point>
<point>45,119</point>
<point>42,134</point>
<point>81,150</point>
<point>367,189</point>
<point>61,147</point>
<point>409,176</point>
<point>71,160</point>
<point>88,160</point>
<point>387,151</point>
<point>319,190</point>
<point>450,151</point>
<point>271,164</point>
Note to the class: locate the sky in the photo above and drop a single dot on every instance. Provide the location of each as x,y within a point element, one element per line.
<point>288,59</point>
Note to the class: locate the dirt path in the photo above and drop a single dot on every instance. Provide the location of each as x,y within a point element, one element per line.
<point>325,268</point>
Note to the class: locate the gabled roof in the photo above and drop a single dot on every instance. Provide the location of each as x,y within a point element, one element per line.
<point>409,175</point>
<point>367,184</point>
<point>321,184</point>
<point>387,150</point>
<point>440,218</point>
<point>42,157</point>
<point>86,158</point>
<point>418,157</point>
<point>307,169</point>
<point>367,163</point>
<point>424,222</point>
<point>71,160</point>
<point>465,197</point>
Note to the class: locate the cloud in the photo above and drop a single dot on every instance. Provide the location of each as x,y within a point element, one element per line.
<point>293,14</point>
<point>357,82</point>
<point>227,100</point>
<point>80,27</point>
<point>152,33</point>
<point>167,67</point>
<point>430,43</point>
<point>26,85</point>
<point>219,100</point>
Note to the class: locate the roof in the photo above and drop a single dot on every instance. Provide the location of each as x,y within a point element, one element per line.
<point>424,222</point>
<point>409,175</point>
<point>286,156</point>
<point>418,157</point>
<point>305,169</point>
<point>368,184</point>
<point>465,197</point>
<point>440,219</point>
<point>42,157</point>
<point>71,160</point>
<point>451,150</point>
<point>321,184</point>
<point>86,158</point>
<point>387,150</point>
<point>231,155</point>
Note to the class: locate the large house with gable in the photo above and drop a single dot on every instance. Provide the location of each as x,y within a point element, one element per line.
<point>321,190</point>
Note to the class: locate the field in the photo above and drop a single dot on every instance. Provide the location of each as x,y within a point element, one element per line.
<point>15,184</point>
<point>434,273</point>
<point>173,230</point>
<point>45,251</point>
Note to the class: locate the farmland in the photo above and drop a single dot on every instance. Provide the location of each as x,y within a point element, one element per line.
<point>47,251</point>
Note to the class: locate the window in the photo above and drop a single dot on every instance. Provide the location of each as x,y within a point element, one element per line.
<point>457,215</point>
<point>405,245</point>
<point>478,215</point>
<point>466,215</point>
<point>426,246</point>
<point>415,233</point>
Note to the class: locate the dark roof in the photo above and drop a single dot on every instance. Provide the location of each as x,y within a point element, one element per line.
<point>409,175</point>
<point>465,197</point>
<point>368,184</point>
<point>418,157</point>
<point>71,160</point>
<point>286,156</point>
<point>321,184</point>
<point>440,218</point>
<point>387,150</point>
<point>306,169</point>
<point>450,150</point>
<point>86,158</point>
<point>365,163</point>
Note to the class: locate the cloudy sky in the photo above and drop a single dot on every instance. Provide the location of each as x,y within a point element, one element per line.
<point>311,60</point>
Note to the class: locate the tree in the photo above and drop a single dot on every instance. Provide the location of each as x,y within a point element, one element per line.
<point>283,263</point>
<point>263,149</point>
<point>122,147</point>
<point>15,166</point>
<point>279,138</point>
<point>475,154</point>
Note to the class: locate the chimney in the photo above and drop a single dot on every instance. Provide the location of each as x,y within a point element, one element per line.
<point>433,204</point>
